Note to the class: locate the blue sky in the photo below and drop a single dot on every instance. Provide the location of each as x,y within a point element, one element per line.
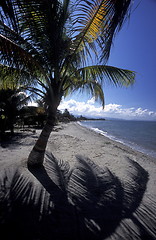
<point>134,48</point>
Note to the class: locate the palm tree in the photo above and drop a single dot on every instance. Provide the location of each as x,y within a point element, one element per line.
<point>11,101</point>
<point>55,47</point>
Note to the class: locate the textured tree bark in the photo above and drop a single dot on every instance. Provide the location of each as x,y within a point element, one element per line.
<point>36,156</point>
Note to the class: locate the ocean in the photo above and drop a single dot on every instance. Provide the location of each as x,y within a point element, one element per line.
<point>139,135</point>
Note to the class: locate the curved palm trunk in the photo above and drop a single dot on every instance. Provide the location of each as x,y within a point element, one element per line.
<point>36,156</point>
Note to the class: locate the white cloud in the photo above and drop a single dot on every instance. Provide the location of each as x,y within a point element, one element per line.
<point>32,104</point>
<point>111,110</point>
<point>91,101</point>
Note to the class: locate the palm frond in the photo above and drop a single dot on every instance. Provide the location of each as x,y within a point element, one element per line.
<point>11,77</point>
<point>37,21</point>
<point>44,28</point>
<point>7,13</point>
<point>104,73</point>
<point>20,40</point>
<point>92,88</point>
<point>96,23</point>
<point>91,79</point>
<point>14,55</point>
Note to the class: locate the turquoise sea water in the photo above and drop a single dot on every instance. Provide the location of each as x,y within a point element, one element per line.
<point>139,135</point>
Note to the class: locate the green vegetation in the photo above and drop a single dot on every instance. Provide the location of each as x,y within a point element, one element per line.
<point>11,101</point>
<point>32,116</point>
<point>53,48</point>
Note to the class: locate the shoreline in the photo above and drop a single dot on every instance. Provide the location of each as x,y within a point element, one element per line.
<point>139,142</point>
<point>22,145</point>
<point>137,148</point>
<point>132,175</point>
<point>71,139</point>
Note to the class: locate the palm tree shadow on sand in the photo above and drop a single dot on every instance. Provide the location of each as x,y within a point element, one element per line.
<point>86,202</point>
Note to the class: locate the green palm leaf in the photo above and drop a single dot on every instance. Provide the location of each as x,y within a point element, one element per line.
<point>91,79</point>
<point>96,23</point>
<point>15,56</point>
<point>103,73</point>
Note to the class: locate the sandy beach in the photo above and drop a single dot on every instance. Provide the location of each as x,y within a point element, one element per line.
<point>135,172</point>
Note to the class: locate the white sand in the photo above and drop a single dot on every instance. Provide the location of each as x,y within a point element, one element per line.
<point>69,140</point>
<point>72,139</point>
